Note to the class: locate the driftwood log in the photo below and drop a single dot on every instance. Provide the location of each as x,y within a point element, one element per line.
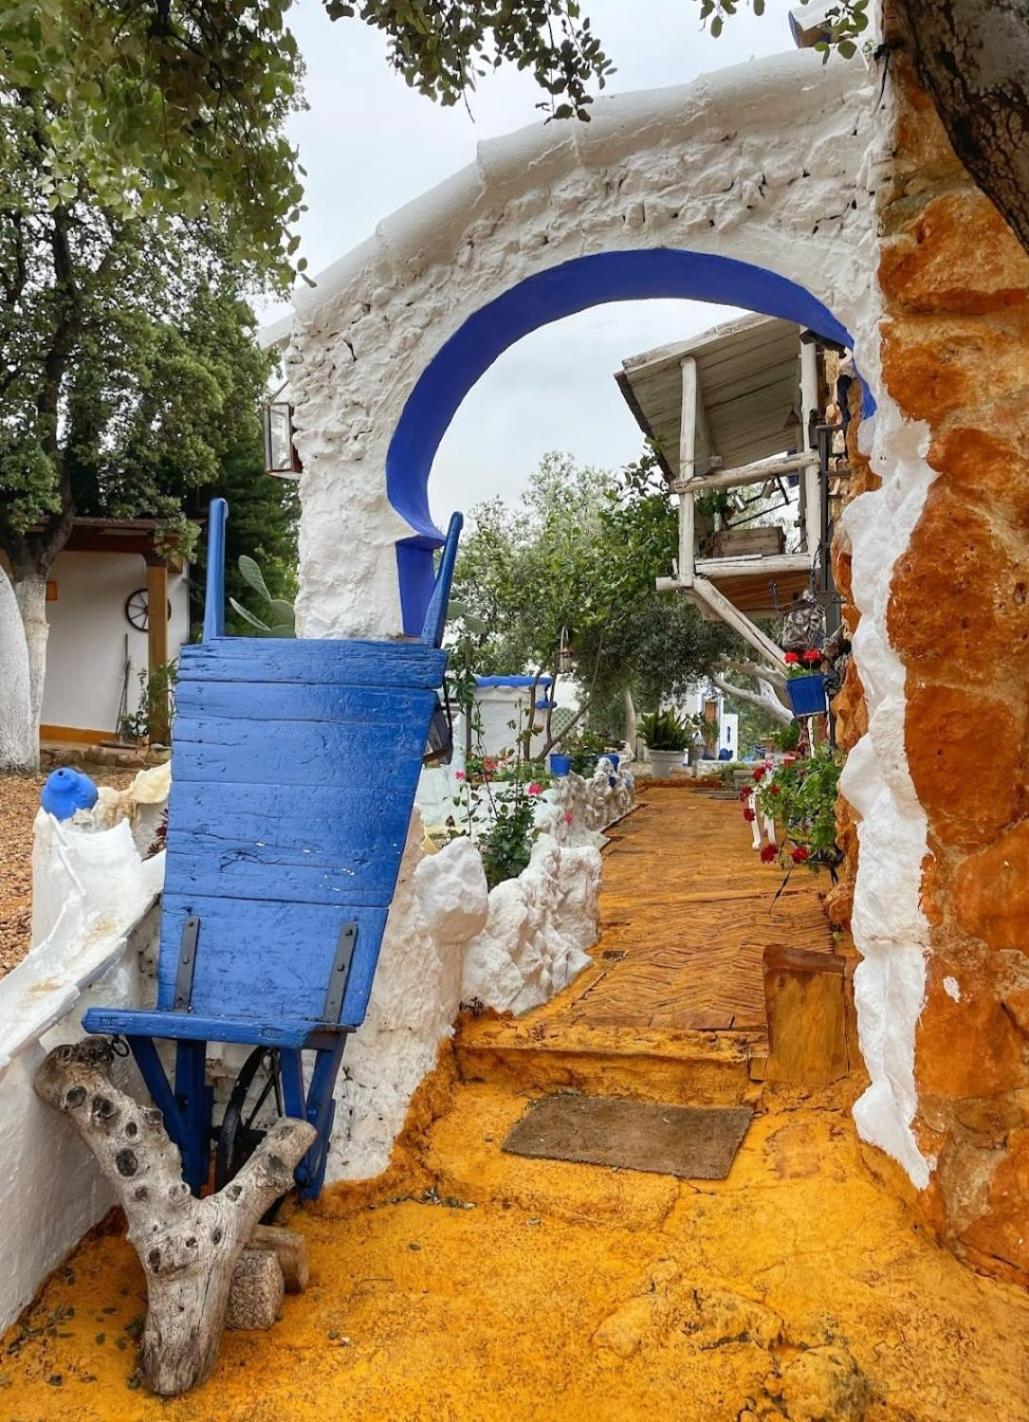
<point>189,1248</point>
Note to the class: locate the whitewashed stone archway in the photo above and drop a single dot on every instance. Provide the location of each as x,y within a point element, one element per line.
<point>772,165</point>
<point>762,164</point>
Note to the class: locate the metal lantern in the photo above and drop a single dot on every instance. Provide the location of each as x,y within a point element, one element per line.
<point>280,455</point>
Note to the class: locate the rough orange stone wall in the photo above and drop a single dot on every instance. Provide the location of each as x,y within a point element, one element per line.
<point>956,355</point>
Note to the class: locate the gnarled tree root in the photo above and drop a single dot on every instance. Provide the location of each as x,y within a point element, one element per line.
<point>188,1247</point>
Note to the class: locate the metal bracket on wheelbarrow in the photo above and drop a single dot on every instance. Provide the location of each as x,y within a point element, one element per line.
<point>340,972</point>
<point>187,964</point>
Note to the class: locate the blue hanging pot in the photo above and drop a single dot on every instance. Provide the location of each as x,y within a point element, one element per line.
<point>560,764</point>
<point>807,694</point>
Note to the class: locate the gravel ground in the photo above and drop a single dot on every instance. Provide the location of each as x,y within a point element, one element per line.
<point>19,801</point>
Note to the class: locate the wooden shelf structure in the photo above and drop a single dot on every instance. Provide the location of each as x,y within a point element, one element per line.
<point>731,409</point>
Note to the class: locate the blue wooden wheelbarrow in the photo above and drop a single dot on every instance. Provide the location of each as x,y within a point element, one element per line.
<point>294,767</point>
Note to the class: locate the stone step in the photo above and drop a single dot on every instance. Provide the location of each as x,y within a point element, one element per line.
<point>684,1068</point>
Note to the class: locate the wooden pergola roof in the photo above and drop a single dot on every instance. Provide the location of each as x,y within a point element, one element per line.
<point>748,373</point>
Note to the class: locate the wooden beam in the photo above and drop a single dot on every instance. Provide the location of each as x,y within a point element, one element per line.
<point>811,493</point>
<point>735,619</point>
<point>687,465</point>
<point>765,565</point>
<point>747,474</point>
<point>157,644</point>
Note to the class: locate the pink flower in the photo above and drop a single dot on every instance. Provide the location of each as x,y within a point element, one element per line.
<point>534,789</point>
<point>768,853</point>
<point>569,817</point>
<point>458,774</point>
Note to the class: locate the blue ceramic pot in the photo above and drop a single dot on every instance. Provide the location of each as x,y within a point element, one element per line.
<point>807,694</point>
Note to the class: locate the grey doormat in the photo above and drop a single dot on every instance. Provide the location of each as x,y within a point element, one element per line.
<point>692,1142</point>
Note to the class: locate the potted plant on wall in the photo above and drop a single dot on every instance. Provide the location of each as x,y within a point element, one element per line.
<point>667,736</point>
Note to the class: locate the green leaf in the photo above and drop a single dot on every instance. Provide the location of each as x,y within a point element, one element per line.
<point>253,577</point>
<point>248,616</point>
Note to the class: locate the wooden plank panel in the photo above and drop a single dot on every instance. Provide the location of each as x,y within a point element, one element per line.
<point>365,874</point>
<point>184,1026</point>
<point>314,823</point>
<point>299,753</point>
<point>318,661</point>
<point>268,961</point>
<point>272,701</point>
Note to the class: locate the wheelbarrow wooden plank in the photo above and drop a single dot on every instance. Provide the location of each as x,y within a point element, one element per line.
<point>300,753</point>
<point>242,872</point>
<point>322,824</point>
<point>278,659</point>
<point>188,1027</point>
<point>269,701</point>
<point>268,961</point>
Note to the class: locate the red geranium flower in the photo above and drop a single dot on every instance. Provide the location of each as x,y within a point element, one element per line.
<point>813,656</point>
<point>800,854</point>
<point>791,658</point>
<point>759,774</point>
<point>768,853</point>
<point>748,814</point>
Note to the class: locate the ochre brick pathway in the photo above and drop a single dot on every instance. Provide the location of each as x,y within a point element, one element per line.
<point>687,912</point>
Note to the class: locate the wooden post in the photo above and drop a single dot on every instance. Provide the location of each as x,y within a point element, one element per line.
<point>805,999</point>
<point>811,504</point>
<point>157,642</point>
<point>687,467</point>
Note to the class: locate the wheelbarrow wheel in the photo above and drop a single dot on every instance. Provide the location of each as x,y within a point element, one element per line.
<point>239,1135</point>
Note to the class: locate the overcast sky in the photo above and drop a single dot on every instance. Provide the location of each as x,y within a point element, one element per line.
<point>370,144</point>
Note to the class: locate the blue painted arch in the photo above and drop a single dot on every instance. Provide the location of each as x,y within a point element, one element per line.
<point>547,296</point>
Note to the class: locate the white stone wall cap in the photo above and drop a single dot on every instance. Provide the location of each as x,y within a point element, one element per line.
<point>358,267</point>
<point>428,228</point>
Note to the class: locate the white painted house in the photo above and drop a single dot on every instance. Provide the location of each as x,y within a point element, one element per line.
<point>98,598</point>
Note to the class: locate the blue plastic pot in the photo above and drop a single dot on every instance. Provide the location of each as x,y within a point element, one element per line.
<point>807,694</point>
<point>560,764</point>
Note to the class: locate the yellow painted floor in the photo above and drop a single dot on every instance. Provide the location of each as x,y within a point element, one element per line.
<point>476,1285</point>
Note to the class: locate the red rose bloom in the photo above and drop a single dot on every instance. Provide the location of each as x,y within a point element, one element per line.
<point>745,793</point>
<point>759,774</point>
<point>768,853</point>
<point>748,814</point>
<point>773,789</point>
<point>791,659</point>
<point>800,854</point>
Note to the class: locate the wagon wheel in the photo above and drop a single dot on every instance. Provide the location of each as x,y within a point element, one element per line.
<point>137,610</point>
<point>238,1136</point>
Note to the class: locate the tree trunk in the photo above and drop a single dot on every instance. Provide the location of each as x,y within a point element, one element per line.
<point>188,1247</point>
<point>30,591</point>
<point>973,57</point>
<point>19,740</point>
<point>631,729</point>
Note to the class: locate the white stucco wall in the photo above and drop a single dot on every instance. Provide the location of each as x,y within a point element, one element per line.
<point>85,658</point>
